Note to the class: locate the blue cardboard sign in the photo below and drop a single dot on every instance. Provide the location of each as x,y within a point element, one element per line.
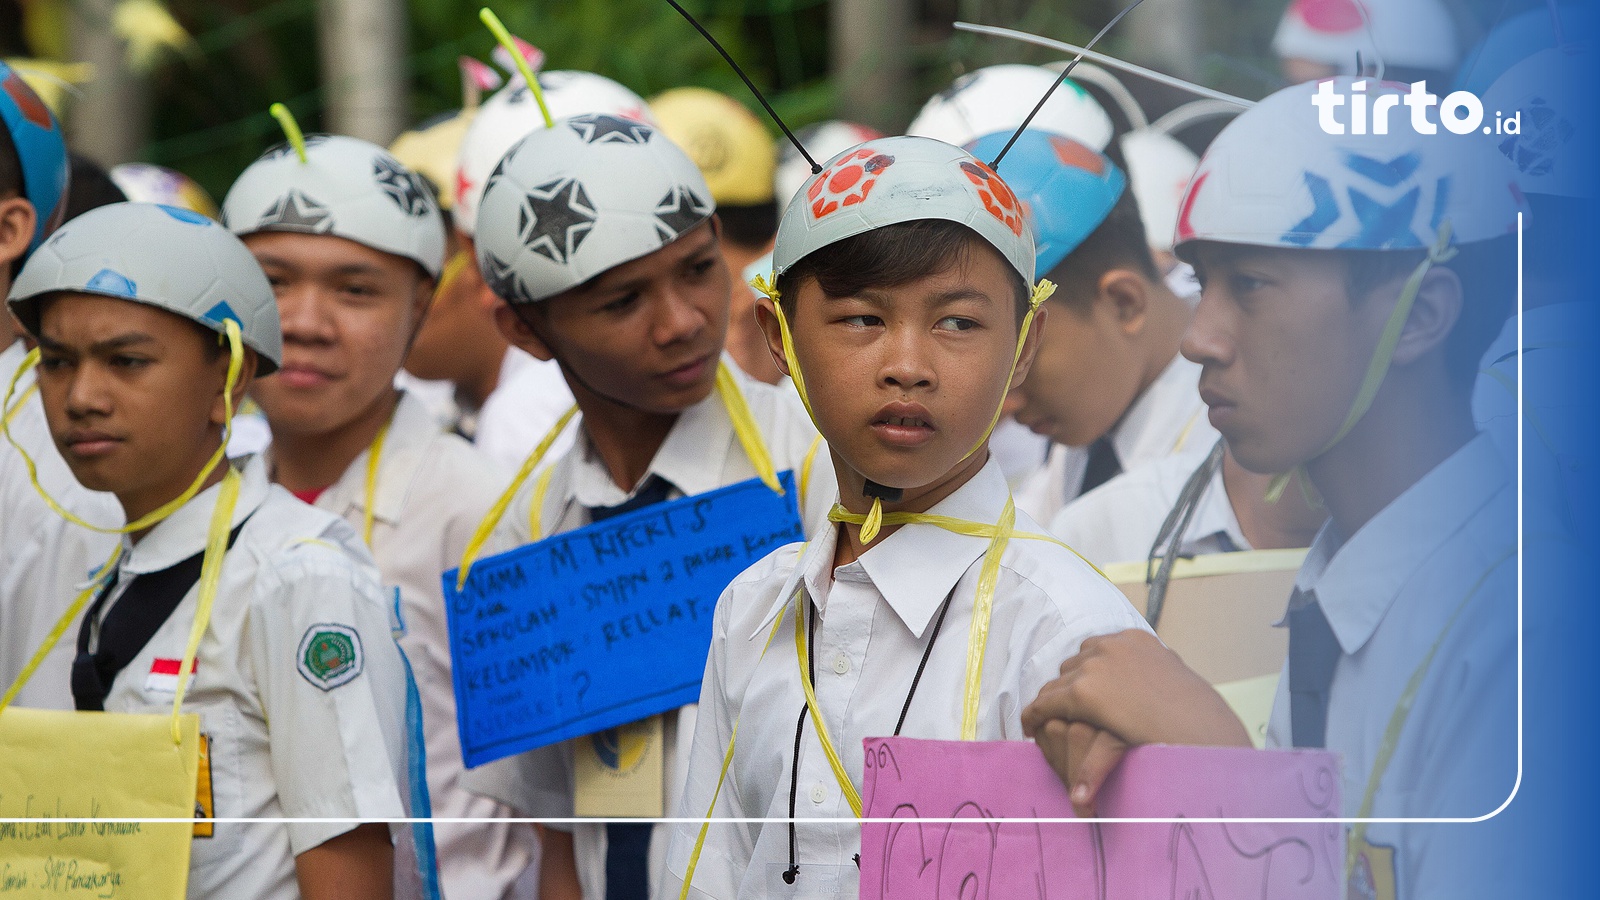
<point>604,625</point>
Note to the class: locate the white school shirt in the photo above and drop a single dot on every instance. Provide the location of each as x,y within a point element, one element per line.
<point>1167,419</point>
<point>1388,592</point>
<point>43,558</point>
<point>527,401</point>
<point>285,740</point>
<point>1119,520</point>
<point>433,488</point>
<point>701,453</point>
<point>876,616</point>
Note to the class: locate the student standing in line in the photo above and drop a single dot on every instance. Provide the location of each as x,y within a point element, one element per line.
<point>601,239</point>
<point>152,322</point>
<point>353,243</point>
<point>905,278</point>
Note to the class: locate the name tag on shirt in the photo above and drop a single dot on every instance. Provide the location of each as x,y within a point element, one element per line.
<point>163,676</point>
<point>604,625</point>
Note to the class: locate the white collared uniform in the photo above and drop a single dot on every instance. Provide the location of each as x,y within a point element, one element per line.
<point>1388,593</point>
<point>527,401</point>
<point>432,490</point>
<point>43,558</point>
<point>1168,419</point>
<point>1119,520</point>
<point>701,453</point>
<point>287,738</point>
<point>876,615</point>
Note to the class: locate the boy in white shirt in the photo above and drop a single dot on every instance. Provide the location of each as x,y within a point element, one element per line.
<point>297,683</point>
<point>905,279</point>
<point>601,238</point>
<point>353,287</point>
<point>1403,622</point>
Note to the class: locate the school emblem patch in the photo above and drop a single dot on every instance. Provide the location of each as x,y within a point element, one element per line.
<point>330,655</point>
<point>1373,877</point>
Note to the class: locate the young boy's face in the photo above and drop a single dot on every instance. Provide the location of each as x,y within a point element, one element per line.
<point>904,380</point>
<point>1085,376</point>
<point>646,335</point>
<point>1283,348</point>
<point>348,314</point>
<point>132,395</point>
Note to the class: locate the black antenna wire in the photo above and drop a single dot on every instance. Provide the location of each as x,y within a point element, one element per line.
<point>752,85</point>
<point>1064,73</point>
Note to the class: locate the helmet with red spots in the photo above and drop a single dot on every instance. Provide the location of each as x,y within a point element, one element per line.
<point>903,179</point>
<point>40,148</point>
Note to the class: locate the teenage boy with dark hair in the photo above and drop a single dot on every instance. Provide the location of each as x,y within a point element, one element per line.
<point>1341,343</point>
<point>1108,387</point>
<point>152,322</point>
<point>902,311</point>
<point>601,238</point>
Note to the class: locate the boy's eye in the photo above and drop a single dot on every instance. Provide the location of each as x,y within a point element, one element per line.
<point>956,323</point>
<point>703,266</point>
<point>621,304</point>
<point>1241,284</point>
<point>125,361</point>
<point>52,363</point>
<point>862,321</point>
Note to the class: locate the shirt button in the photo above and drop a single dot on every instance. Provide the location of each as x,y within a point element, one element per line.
<point>818,794</point>
<point>841,664</point>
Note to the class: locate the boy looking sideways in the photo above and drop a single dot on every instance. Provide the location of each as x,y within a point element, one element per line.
<point>352,243</point>
<point>601,238</point>
<point>296,682</point>
<point>1351,285</point>
<point>905,280</point>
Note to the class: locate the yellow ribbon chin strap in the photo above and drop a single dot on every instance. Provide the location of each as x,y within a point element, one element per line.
<point>370,494</point>
<point>216,535</point>
<point>496,512</point>
<point>453,268</point>
<point>11,411</point>
<point>1378,367</point>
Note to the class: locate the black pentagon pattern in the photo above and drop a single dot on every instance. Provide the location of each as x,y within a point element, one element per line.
<point>284,148</point>
<point>405,188</point>
<point>554,219</point>
<point>602,128</point>
<point>503,280</point>
<point>680,210</point>
<point>295,211</point>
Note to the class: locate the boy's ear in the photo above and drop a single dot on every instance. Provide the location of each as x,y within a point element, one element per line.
<point>1126,296</point>
<point>1433,315</point>
<point>1030,346</point>
<point>767,317</point>
<point>17,221</point>
<point>247,375</point>
<point>516,331</point>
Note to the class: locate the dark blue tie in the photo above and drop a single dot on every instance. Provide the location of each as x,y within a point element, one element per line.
<point>1102,465</point>
<point>628,843</point>
<point>1313,655</point>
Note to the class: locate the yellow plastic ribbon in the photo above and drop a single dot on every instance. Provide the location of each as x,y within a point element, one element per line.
<point>498,510</point>
<point>453,267</point>
<point>487,16</point>
<point>1397,720</point>
<point>1378,367</point>
<point>374,453</point>
<point>216,536</point>
<point>851,795</point>
<point>291,129</point>
<point>11,412</point>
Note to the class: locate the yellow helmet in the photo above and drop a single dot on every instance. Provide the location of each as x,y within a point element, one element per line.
<point>432,149</point>
<point>728,143</point>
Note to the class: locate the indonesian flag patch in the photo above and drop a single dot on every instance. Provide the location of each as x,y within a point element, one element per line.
<point>163,676</point>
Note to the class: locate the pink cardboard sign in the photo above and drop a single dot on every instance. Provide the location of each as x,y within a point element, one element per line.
<point>907,779</point>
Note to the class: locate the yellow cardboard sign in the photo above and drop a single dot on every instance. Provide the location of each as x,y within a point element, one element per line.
<point>66,765</point>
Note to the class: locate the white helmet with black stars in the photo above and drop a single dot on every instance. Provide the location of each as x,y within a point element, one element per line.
<point>171,258</point>
<point>347,188</point>
<point>570,202</point>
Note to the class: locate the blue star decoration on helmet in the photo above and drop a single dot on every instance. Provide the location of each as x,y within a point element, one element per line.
<point>295,211</point>
<point>401,186</point>
<point>554,219</point>
<point>680,210</point>
<point>114,283</point>
<point>1384,224</point>
<point>502,279</point>
<point>599,128</point>
<point>1535,151</point>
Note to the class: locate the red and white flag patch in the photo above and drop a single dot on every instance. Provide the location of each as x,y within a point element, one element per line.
<point>163,677</point>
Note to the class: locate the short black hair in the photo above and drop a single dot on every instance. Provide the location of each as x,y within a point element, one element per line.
<point>1487,271</point>
<point>749,226</point>
<point>89,186</point>
<point>1117,243</point>
<point>891,256</point>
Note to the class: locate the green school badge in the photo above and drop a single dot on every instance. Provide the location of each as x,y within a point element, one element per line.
<point>330,655</point>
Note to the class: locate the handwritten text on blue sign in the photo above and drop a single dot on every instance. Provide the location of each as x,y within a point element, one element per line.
<point>603,625</point>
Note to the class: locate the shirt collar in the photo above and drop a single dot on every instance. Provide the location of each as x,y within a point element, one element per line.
<point>918,565</point>
<point>1162,417</point>
<point>1357,580</point>
<point>411,428</point>
<point>691,459</point>
<point>183,534</point>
